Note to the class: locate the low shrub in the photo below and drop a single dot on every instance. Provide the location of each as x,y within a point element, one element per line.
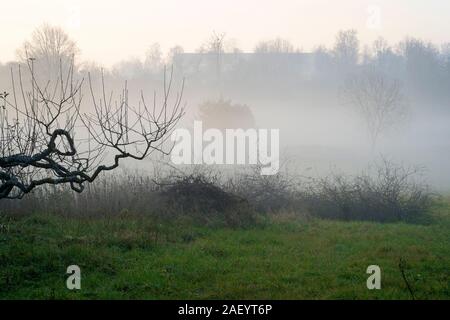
<point>201,195</point>
<point>392,193</point>
<point>389,193</point>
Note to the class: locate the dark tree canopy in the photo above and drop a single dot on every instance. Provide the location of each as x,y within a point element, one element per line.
<point>378,99</point>
<point>223,114</point>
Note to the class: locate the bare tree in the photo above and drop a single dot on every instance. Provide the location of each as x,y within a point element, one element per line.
<point>277,45</point>
<point>173,53</point>
<point>378,99</point>
<point>380,46</point>
<point>153,58</point>
<point>216,45</point>
<point>51,47</point>
<point>45,138</point>
<point>346,48</point>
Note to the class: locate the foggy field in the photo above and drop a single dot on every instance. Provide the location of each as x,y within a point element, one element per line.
<point>282,257</point>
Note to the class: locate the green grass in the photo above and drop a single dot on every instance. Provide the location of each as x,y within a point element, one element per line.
<point>284,258</point>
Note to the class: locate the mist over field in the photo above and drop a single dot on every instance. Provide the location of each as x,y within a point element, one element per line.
<point>96,101</point>
<point>301,93</point>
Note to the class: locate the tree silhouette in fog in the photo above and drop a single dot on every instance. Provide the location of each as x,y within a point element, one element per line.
<point>277,45</point>
<point>51,48</point>
<point>346,48</point>
<point>378,99</point>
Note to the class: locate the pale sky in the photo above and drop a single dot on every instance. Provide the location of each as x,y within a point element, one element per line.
<point>108,31</point>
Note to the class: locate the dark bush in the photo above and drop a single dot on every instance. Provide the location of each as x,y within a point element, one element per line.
<point>200,195</point>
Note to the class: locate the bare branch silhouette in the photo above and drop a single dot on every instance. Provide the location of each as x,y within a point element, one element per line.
<point>46,139</point>
<point>378,99</point>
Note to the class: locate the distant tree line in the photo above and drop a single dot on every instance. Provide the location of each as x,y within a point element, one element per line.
<point>422,65</point>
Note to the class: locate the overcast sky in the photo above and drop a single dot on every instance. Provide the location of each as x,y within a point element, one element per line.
<point>108,31</point>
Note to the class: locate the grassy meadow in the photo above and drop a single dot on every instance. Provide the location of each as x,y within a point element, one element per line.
<point>282,257</point>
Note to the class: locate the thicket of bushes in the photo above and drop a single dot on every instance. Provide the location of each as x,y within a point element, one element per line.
<point>390,193</point>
